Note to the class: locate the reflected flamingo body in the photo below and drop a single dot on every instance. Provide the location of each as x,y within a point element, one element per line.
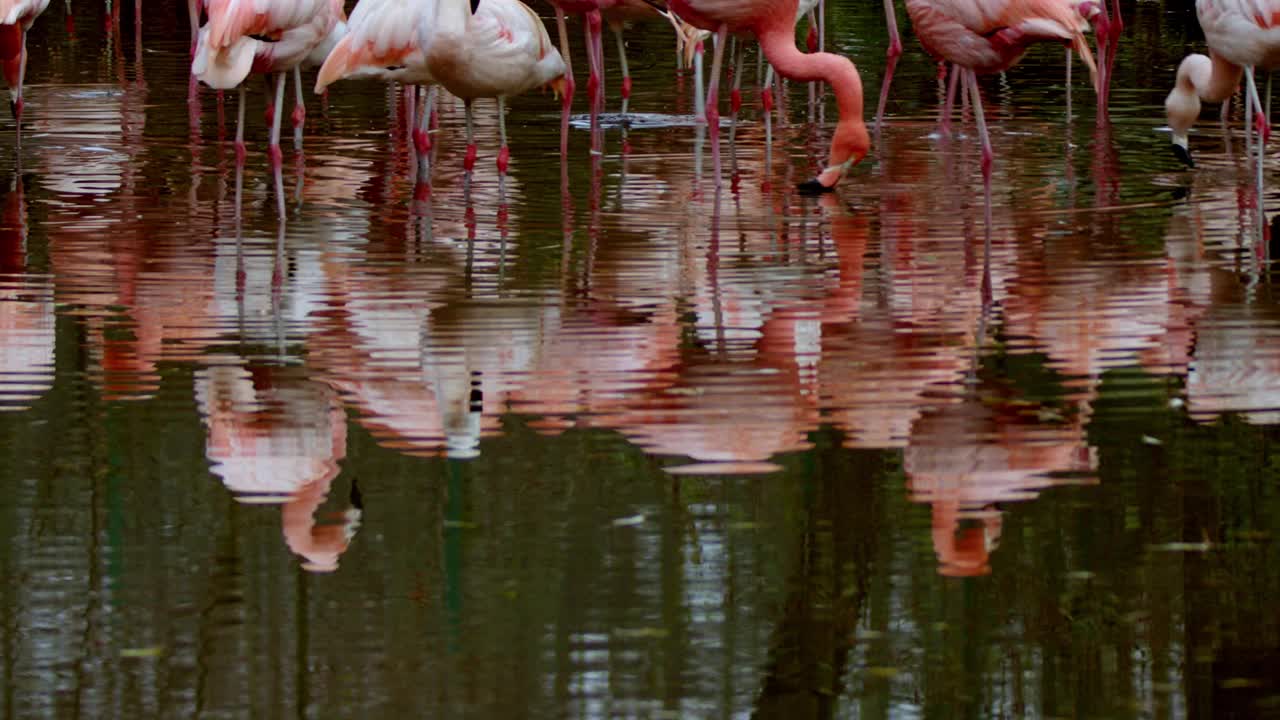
<point>772,22</point>
<point>16,18</point>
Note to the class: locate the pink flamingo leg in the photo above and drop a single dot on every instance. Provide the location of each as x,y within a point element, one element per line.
<point>595,81</point>
<point>469,162</point>
<point>193,14</point>
<point>949,104</point>
<point>299,117</point>
<point>893,53</point>
<point>569,85</point>
<point>274,150</point>
<point>241,151</point>
<point>713,98</point>
<point>626,70</point>
<point>504,152</point>
<point>422,134</point>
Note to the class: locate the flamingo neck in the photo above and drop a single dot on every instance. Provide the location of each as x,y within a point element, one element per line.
<point>1212,79</point>
<point>778,43</point>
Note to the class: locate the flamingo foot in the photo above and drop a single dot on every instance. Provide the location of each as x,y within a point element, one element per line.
<point>626,88</point>
<point>421,141</point>
<point>504,159</point>
<point>469,161</point>
<point>242,152</point>
<point>276,156</point>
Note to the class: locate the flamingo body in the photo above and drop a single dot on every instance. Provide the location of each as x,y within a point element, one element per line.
<point>989,36</point>
<point>16,18</point>
<point>501,50</point>
<point>382,39</point>
<point>1241,34</point>
<point>244,36</point>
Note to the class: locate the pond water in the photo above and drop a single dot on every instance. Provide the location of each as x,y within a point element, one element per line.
<point>603,442</point>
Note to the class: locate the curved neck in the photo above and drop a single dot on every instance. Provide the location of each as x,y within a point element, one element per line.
<point>779,47</point>
<point>1212,78</point>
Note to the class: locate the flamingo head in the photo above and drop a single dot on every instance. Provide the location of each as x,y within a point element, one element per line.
<point>559,87</point>
<point>850,145</point>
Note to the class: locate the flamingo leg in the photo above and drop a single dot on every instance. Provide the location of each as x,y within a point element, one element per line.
<point>713,98</point>
<point>892,54</point>
<point>949,104</point>
<point>735,98</point>
<point>469,162</point>
<point>193,15</point>
<point>299,116</point>
<point>979,116</point>
<point>1264,129</point>
<point>504,153</point>
<point>422,134</point>
<point>626,70</point>
<point>241,151</point>
<point>699,100</point>
<point>274,150</point>
<point>766,97</point>
<point>595,82</point>
<point>1069,63</point>
<point>569,85</point>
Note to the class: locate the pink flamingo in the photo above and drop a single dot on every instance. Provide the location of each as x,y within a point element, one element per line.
<point>16,18</point>
<point>383,39</point>
<point>1240,36</point>
<point>268,36</point>
<point>496,49</point>
<point>990,36</point>
<point>772,22</point>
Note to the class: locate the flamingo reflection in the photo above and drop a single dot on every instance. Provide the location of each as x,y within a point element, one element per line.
<point>277,438</point>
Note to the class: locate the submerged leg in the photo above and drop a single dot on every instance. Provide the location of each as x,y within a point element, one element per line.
<point>299,109</point>
<point>735,97</point>
<point>241,151</point>
<point>274,149</point>
<point>469,162</point>
<point>504,153</point>
<point>567,101</point>
<point>713,98</point>
<point>422,133</point>
<point>626,70</point>
<point>892,54</point>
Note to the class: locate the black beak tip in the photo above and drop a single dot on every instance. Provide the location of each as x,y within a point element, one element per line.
<point>813,187</point>
<point>1184,155</point>
<point>13,109</point>
<point>475,5</point>
<point>357,500</point>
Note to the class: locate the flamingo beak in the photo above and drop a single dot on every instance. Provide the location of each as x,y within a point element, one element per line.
<point>475,5</point>
<point>1183,150</point>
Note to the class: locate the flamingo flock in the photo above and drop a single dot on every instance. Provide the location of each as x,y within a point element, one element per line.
<point>477,49</point>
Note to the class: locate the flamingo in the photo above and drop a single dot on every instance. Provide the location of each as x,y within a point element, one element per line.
<point>383,39</point>
<point>497,49</point>
<point>1240,35</point>
<point>621,14</point>
<point>772,22</point>
<point>990,36</point>
<point>16,18</point>
<point>270,36</point>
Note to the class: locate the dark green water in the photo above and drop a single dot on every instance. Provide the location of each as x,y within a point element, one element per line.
<point>632,450</point>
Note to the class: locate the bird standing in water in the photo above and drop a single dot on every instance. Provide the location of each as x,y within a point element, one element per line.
<point>990,36</point>
<point>16,18</point>
<point>772,22</point>
<point>1242,35</point>
<point>494,49</point>
<point>383,39</point>
<point>268,36</point>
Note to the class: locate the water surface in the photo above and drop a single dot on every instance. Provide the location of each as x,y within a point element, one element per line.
<point>603,442</point>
